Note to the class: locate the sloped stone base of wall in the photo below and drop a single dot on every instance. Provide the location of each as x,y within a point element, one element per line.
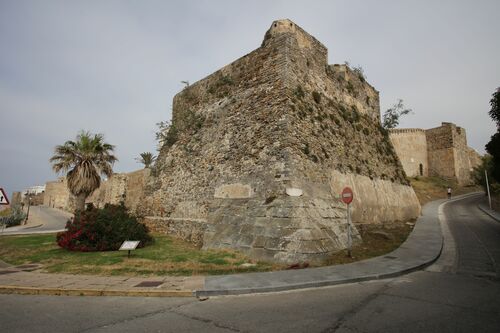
<point>288,229</point>
<point>190,230</point>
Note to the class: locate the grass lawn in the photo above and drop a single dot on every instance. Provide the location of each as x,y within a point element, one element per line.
<point>167,256</point>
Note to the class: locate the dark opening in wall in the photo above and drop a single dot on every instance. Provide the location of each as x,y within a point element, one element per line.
<point>421,169</point>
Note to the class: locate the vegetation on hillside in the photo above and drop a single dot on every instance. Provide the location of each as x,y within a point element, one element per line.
<point>435,188</point>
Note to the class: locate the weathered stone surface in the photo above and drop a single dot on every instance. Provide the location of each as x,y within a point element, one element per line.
<point>185,229</point>
<point>57,195</point>
<point>277,119</point>
<point>233,191</point>
<point>410,145</point>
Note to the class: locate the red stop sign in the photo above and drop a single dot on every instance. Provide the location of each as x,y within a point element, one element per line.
<point>347,195</point>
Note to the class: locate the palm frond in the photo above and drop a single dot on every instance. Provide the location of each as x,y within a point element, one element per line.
<point>84,160</point>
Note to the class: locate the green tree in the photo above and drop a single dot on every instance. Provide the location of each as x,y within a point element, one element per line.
<point>146,158</point>
<point>390,119</point>
<point>493,147</point>
<point>84,160</point>
<point>495,107</point>
<point>478,172</point>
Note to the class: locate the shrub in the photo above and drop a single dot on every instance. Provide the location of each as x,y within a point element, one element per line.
<point>299,92</point>
<point>306,149</point>
<point>15,217</point>
<point>316,96</point>
<point>102,229</point>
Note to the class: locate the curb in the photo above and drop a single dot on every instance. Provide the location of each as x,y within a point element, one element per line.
<point>316,284</point>
<point>25,233</point>
<point>33,226</point>
<point>93,292</point>
<point>488,212</point>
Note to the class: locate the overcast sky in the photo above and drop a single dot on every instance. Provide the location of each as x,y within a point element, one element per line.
<point>113,67</point>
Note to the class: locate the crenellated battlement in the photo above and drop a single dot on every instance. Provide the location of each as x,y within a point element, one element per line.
<point>397,131</point>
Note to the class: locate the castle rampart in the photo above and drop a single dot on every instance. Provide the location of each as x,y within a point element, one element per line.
<point>411,147</point>
<point>442,151</point>
<point>261,148</point>
<point>121,187</point>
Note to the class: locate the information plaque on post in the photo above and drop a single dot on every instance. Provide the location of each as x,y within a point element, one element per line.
<point>129,246</point>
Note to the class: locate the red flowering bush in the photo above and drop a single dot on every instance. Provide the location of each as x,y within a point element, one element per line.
<point>102,229</point>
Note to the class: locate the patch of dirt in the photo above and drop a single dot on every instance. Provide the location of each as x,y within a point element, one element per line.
<point>378,239</point>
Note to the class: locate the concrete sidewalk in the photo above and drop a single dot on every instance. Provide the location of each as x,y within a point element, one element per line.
<point>19,280</point>
<point>421,249</point>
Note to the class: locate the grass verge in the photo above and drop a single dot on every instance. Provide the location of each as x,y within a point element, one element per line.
<point>167,256</point>
<point>434,188</point>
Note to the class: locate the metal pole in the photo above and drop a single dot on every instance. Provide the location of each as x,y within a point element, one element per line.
<point>487,187</point>
<point>28,213</point>
<point>349,238</point>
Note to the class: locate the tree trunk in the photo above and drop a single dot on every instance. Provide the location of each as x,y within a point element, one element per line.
<point>80,202</point>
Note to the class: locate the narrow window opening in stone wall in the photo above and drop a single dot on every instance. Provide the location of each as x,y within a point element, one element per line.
<point>421,168</point>
<point>275,25</point>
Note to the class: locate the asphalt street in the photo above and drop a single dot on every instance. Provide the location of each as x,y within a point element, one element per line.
<point>460,293</point>
<point>41,220</point>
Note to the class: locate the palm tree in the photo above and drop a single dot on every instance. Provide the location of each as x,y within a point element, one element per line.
<point>146,158</point>
<point>85,160</point>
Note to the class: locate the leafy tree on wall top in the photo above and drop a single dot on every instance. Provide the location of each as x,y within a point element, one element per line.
<point>167,134</point>
<point>84,160</point>
<point>146,158</point>
<point>390,118</point>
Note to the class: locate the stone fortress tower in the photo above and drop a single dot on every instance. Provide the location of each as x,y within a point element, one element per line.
<point>259,151</point>
<point>440,151</point>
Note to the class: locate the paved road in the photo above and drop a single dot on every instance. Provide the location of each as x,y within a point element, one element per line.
<point>41,220</point>
<point>461,295</point>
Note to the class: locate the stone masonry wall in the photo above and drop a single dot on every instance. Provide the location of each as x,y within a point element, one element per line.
<point>57,195</point>
<point>449,155</point>
<point>410,145</point>
<point>126,187</point>
<point>252,151</point>
<point>442,152</point>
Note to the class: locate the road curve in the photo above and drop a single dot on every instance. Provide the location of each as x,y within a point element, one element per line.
<point>41,219</point>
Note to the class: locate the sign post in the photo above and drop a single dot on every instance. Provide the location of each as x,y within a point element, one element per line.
<point>129,246</point>
<point>487,187</point>
<point>347,197</point>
